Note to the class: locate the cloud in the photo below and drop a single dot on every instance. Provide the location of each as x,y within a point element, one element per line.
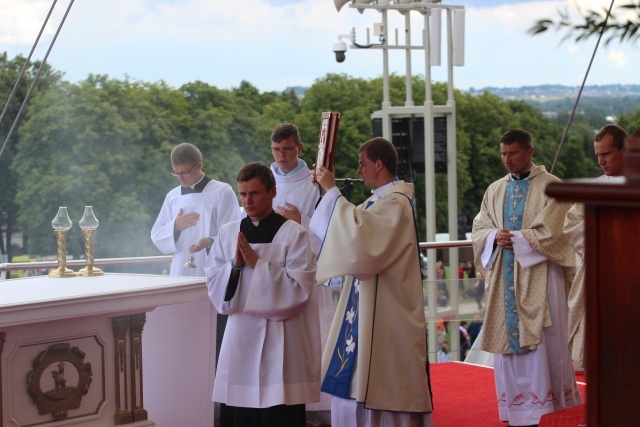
<point>278,43</point>
<point>617,58</point>
<point>21,21</point>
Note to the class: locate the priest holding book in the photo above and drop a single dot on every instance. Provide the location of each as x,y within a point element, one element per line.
<point>375,362</point>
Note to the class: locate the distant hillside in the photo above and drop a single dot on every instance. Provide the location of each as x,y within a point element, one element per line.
<point>299,90</point>
<point>597,100</point>
<point>550,92</point>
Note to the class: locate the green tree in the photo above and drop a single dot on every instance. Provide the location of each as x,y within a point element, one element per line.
<point>103,143</point>
<point>9,71</point>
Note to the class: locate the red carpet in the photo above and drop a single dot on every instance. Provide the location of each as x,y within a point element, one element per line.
<point>464,396</point>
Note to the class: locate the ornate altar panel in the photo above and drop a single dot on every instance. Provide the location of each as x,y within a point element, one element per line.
<point>71,350</point>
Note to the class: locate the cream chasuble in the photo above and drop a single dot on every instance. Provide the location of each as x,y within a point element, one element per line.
<point>574,233</point>
<point>381,301</point>
<point>542,228</point>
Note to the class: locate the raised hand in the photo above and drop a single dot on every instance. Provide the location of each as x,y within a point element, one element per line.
<point>290,212</point>
<point>186,220</point>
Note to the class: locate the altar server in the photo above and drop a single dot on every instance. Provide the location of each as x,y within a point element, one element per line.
<point>193,212</point>
<point>296,199</point>
<point>261,273</point>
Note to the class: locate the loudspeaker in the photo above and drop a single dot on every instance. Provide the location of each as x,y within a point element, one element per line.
<point>340,3</point>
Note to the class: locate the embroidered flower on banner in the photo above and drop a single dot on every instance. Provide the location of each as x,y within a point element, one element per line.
<point>350,316</point>
<point>351,344</point>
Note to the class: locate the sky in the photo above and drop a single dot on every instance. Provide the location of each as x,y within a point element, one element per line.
<point>275,44</point>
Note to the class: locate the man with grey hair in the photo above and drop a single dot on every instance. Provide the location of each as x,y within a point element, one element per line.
<point>193,212</point>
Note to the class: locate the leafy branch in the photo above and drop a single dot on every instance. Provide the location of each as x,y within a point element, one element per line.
<point>593,23</point>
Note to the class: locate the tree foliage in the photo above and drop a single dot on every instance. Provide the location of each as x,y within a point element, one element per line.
<point>106,142</point>
<point>9,72</point>
<point>595,22</point>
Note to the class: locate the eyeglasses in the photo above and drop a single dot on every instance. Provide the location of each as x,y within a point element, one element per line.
<point>279,150</point>
<point>174,173</point>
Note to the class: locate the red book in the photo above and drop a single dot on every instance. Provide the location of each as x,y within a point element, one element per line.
<point>327,140</point>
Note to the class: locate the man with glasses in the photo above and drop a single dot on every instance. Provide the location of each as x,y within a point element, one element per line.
<point>193,212</point>
<point>296,200</point>
<point>297,195</point>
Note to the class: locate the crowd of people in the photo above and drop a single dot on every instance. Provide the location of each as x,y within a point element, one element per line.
<point>269,264</point>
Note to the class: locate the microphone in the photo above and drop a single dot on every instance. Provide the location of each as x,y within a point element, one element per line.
<point>349,185</point>
<point>349,180</point>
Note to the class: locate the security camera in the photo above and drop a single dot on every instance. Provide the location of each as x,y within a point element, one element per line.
<point>339,49</point>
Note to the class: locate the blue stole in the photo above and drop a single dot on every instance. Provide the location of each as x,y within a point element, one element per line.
<point>514,204</point>
<point>337,380</point>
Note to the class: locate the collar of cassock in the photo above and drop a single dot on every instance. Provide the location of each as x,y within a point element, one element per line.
<point>380,190</point>
<point>266,229</point>
<point>522,176</point>
<point>197,187</point>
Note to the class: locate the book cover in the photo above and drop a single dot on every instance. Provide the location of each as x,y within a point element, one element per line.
<point>327,140</point>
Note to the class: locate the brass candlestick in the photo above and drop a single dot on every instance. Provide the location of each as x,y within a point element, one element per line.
<point>89,223</point>
<point>61,225</point>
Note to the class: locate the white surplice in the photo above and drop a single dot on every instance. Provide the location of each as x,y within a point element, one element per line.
<point>217,205</point>
<point>298,190</point>
<point>270,352</point>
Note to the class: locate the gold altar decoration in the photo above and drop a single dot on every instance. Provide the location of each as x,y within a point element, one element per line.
<point>89,224</point>
<point>61,225</point>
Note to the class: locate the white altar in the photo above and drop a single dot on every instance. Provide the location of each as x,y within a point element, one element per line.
<point>73,351</point>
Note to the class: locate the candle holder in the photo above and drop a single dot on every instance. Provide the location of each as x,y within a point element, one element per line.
<point>189,267</point>
<point>61,225</point>
<point>89,223</point>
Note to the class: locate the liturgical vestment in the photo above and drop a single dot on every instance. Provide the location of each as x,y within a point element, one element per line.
<point>297,189</point>
<point>574,232</point>
<point>270,352</point>
<point>216,203</point>
<point>380,319</point>
<point>525,324</point>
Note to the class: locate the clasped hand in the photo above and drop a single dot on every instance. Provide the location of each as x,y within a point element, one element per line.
<point>244,253</point>
<point>503,238</point>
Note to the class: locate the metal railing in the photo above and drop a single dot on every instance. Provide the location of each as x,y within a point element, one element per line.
<point>453,312</point>
<point>41,265</point>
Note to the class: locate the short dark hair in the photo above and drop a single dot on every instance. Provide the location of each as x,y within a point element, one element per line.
<point>285,131</point>
<point>520,136</point>
<point>618,134</point>
<point>383,150</point>
<point>257,170</point>
<point>185,153</point>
